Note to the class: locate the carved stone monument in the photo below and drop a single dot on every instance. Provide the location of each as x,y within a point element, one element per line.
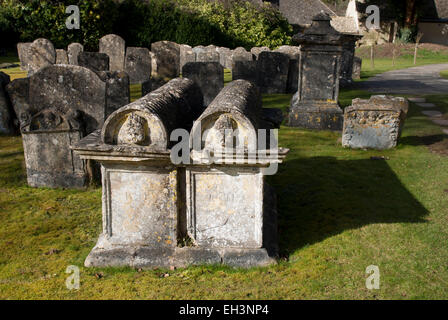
<point>375,123</point>
<point>315,105</point>
<point>56,107</point>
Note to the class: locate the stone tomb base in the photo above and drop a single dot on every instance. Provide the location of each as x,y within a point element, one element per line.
<point>145,222</point>
<point>316,116</point>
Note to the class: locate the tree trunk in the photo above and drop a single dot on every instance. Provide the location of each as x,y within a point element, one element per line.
<point>410,13</point>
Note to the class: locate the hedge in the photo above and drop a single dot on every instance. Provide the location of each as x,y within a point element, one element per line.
<point>194,22</point>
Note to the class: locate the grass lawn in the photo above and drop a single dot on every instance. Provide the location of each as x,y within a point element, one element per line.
<point>339,212</point>
<point>444,74</point>
<point>406,61</point>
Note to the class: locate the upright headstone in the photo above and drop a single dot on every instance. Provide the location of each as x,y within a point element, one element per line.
<point>39,54</point>
<point>293,53</point>
<point>207,54</point>
<point>257,50</point>
<point>315,105</point>
<point>348,56</point>
<point>375,123</point>
<point>73,51</point>
<point>272,72</point>
<point>167,55</point>
<point>209,76</point>
<point>240,54</point>
<point>141,200</point>
<point>117,89</point>
<point>61,56</point>
<point>225,57</point>
<point>357,64</point>
<point>186,55</point>
<point>138,64</point>
<point>6,116</point>
<point>114,46</point>
<point>245,70</point>
<point>94,61</point>
<point>23,49</point>
<point>56,106</point>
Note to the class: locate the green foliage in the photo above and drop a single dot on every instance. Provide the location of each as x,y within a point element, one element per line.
<point>407,35</point>
<point>140,23</point>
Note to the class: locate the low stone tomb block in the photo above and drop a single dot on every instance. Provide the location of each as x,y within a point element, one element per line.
<point>375,123</point>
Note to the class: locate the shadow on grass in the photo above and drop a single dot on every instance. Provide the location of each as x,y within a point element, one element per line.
<point>321,197</point>
<point>422,140</point>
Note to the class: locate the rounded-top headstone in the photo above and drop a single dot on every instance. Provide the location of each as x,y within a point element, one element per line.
<point>114,46</point>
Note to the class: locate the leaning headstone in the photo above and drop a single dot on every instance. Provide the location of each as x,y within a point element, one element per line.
<point>230,207</point>
<point>141,200</point>
<point>61,56</point>
<point>293,53</point>
<point>375,123</point>
<point>209,76</point>
<point>94,61</point>
<point>138,64</point>
<point>73,51</point>
<point>6,117</point>
<point>273,70</point>
<point>167,55</point>
<point>315,105</point>
<point>114,46</point>
<point>357,64</point>
<point>257,50</point>
<point>225,57</point>
<point>245,70</point>
<point>240,54</point>
<point>186,55</point>
<point>56,106</point>
<point>40,53</point>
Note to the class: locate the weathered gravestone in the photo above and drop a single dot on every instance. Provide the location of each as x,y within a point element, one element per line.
<point>240,54</point>
<point>94,61</point>
<point>207,54</point>
<point>273,70</point>
<point>56,107</point>
<point>357,64</point>
<point>257,50</point>
<point>230,208</point>
<point>209,76</point>
<point>186,55</point>
<point>153,84</point>
<point>117,89</point>
<point>293,53</point>
<point>347,60</point>
<point>138,64</point>
<point>167,55</point>
<point>225,57</point>
<point>61,56</point>
<point>375,123</point>
<point>114,46</point>
<point>315,105</point>
<point>6,116</point>
<point>141,200</point>
<point>36,55</point>
<point>245,70</point>
<point>73,51</point>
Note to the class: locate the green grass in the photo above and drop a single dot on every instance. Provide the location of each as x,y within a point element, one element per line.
<point>339,212</point>
<point>406,61</point>
<point>444,74</point>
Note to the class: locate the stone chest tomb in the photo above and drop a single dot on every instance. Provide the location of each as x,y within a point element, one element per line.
<point>157,212</point>
<point>375,123</point>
